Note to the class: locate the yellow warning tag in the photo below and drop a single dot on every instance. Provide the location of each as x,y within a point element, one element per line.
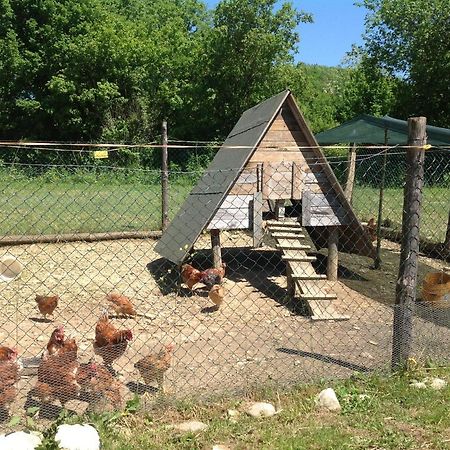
<point>427,147</point>
<point>101,154</point>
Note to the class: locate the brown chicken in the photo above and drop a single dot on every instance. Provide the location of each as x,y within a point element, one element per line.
<point>371,228</point>
<point>121,304</point>
<point>216,294</point>
<point>103,386</point>
<point>213,276</point>
<point>153,367</point>
<point>57,375</point>
<point>47,304</point>
<point>56,342</point>
<point>110,343</point>
<point>9,376</point>
<point>190,275</point>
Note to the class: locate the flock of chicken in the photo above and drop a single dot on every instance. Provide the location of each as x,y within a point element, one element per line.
<point>211,278</point>
<point>61,376</point>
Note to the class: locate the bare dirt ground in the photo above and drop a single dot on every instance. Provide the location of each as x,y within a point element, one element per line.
<point>258,336</point>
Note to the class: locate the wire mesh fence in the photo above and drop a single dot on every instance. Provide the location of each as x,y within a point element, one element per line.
<point>285,291</point>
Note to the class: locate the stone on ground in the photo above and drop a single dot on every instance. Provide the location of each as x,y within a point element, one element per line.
<point>327,400</point>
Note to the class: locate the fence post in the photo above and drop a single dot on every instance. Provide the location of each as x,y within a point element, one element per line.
<point>447,238</point>
<point>407,272</point>
<point>164,178</point>
<point>351,169</point>
<point>377,262</point>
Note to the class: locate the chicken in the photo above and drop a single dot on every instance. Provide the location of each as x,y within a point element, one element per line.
<point>153,367</point>
<point>47,304</point>
<point>103,386</point>
<point>216,294</point>
<point>371,228</point>
<point>110,343</point>
<point>190,275</point>
<point>121,304</point>
<point>9,375</point>
<point>56,341</point>
<point>57,374</point>
<point>213,276</point>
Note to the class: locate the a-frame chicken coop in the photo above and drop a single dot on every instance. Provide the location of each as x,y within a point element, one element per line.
<point>271,157</point>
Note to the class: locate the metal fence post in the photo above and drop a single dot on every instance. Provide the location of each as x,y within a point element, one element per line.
<point>164,179</point>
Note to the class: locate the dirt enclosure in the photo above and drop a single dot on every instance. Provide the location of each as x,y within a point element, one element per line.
<point>256,337</point>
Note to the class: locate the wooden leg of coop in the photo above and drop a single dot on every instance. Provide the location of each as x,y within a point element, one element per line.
<point>333,258</point>
<point>290,282</point>
<point>279,209</point>
<point>217,251</point>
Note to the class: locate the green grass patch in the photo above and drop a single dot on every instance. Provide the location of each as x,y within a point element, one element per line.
<point>377,413</point>
<point>434,215</point>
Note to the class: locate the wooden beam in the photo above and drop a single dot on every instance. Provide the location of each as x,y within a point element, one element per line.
<point>216,249</point>
<point>351,169</point>
<point>290,282</point>
<point>407,274</point>
<point>279,209</point>
<point>257,219</point>
<point>164,179</point>
<point>333,254</point>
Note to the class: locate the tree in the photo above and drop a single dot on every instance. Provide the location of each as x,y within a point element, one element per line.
<point>247,43</point>
<point>410,40</point>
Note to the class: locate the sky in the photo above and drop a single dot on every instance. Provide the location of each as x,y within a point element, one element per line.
<point>337,25</point>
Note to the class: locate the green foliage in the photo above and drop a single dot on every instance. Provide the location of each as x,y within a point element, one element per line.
<point>405,62</point>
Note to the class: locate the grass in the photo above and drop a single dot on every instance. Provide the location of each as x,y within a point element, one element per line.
<point>435,207</point>
<point>37,206</point>
<point>58,202</point>
<point>377,413</point>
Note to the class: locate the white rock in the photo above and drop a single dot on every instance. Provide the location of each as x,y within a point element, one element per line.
<point>327,399</point>
<point>418,385</point>
<point>20,440</point>
<point>77,437</point>
<point>261,409</point>
<point>367,355</point>
<point>437,383</point>
<point>191,426</point>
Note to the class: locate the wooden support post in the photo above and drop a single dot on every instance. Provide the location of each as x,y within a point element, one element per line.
<point>257,219</point>
<point>290,282</point>
<point>407,274</point>
<point>447,238</point>
<point>217,251</point>
<point>351,169</point>
<point>279,209</point>
<point>333,254</point>
<point>377,262</point>
<point>164,179</point>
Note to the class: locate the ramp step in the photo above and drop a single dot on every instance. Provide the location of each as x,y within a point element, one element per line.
<point>309,277</point>
<point>298,258</point>
<point>293,246</point>
<point>285,223</point>
<point>318,297</point>
<point>288,235</point>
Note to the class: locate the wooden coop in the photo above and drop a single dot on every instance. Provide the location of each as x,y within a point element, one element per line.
<point>270,162</point>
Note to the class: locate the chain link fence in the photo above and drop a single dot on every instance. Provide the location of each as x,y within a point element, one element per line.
<point>286,307</point>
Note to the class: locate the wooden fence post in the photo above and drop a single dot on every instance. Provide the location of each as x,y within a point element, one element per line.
<point>377,262</point>
<point>447,238</point>
<point>351,169</point>
<point>164,178</point>
<point>407,272</point>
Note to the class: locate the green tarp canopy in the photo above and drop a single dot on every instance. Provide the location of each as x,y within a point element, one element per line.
<point>367,129</point>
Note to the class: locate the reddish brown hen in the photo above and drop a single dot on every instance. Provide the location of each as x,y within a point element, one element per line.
<point>56,342</point>
<point>121,304</point>
<point>47,304</point>
<point>153,367</point>
<point>190,275</point>
<point>110,343</point>
<point>9,376</point>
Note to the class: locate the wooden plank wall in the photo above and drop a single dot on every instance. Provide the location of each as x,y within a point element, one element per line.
<point>281,171</point>
<point>233,214</point>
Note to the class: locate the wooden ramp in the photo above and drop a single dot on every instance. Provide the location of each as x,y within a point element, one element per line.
<point>310,285</point>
